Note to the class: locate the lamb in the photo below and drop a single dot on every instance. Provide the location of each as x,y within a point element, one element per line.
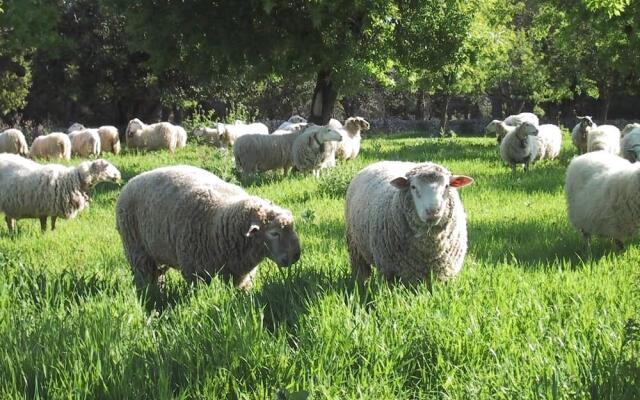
<point>604,137</point>
<point>630,143</point>
<point>161,135</point>
<point>312,149</point>
<point>109,139</point>
<point>54,146</point>
<point>181,140</point>
<point>189,219</point>
<point>256,153</point>
<point>551,140</point>
<point>408,220</point>
<point>31,190</point>
<point>511,120</point>
<point>230,133</point>
<point>603,196</point>
<point>581,131</point>
<point>13,141</point>
<point>349,147</point>
<point>85,142</point>
<point>520,145</point>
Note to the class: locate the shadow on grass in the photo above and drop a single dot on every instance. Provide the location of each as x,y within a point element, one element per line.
<point>435,150</point>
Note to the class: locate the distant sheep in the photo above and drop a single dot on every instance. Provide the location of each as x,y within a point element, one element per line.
<point>551,140</point>
<point>161,135</point>
<point>580,133</point>
<point>309,150</point>
<point>602,196</point>
<point>630,143</point>
<point>230,133</point>
<point>181,139</point>
<point>85,143</point>
<point>13,141</point>
<point>31,190</point>
<point>54,146</point>
<point>629,127</point>
<point>407,220</point>
<point>189,219</point>
<point>109,139</point>
<point>520,145</point>
<point>349,147</point>
<point>604,137</point>
<point>259,153</point>
<point>512,120</point>
<point>76,126</point>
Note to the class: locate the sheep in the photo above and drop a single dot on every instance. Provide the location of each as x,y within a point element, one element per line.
<point>288,127</point>
<point>312,149</point>
<point>257,153</point>
<point>54,146</point>
<point>603,196</point>
<point>551,140</point>
<point>85,142</point>
<point>520,145</point>
<point>408,220</point>
<point>630,143</point>
<point>349,147</point>
<point>209,134</point>
<point>76,126</point>
<point>230,133</point>
<point>296,119</point>
<point>580,132</point>
<point>109,139</point>
<point>604,137</point>
<point>181,140</point>
<point>31,190</point>
<point>189,219</point>
<point>512,120</point>
<point>13,141</point>
<point>628,128</point>
<point>161,135</point>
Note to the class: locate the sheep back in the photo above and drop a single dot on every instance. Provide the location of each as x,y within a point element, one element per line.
<point>13,141</point>
<point>109,139</point>
<point>256,153</point>
<point>54,146</point>
<point>604,137</point>
<point>85,143</point>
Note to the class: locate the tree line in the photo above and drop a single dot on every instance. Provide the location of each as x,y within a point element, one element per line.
<point>107,61</point>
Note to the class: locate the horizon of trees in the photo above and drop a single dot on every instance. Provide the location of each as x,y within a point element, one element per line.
<point>108,61</point>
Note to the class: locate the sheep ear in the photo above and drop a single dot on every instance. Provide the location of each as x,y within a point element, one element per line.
<point>253,229</point>
<point>458,181</point>
<point>400,183</point>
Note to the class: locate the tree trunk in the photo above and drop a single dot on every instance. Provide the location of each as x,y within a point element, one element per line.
<point>445,117</point>
<point>606,102</point>
<point>420,105</point>
<point>350,105</point>
<point>324,98</point>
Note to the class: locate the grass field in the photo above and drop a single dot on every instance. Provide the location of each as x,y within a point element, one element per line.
<point>530,316</point>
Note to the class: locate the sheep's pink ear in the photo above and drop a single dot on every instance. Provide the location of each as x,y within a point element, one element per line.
<point>253,229</point>
<point>400,182</point>
<point>457,181</point>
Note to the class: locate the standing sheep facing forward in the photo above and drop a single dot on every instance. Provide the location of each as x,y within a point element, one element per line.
<point>349,147</point>
<point>581,131</point>
<point>603,196</point>
<point>188,218</point>
<point>54,146</point>
<point>511,120</point>
<point>31,190</point>
<point>520,145</point>
<point>13,141</point>
<point>407,219</point>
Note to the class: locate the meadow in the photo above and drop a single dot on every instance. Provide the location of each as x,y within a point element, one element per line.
<point>532,314</point>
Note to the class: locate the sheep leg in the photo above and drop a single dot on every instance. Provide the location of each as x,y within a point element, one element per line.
<point>43,224</point>
<point>360,268</point>
<point>146,275</point>
<point>11,223</point>
<point>245,282</point>
<point>53,223</point>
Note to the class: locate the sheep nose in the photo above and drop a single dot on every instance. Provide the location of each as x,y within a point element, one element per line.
<point>296,256</point>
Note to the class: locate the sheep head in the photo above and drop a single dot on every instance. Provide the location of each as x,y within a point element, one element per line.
<point>133,126</point>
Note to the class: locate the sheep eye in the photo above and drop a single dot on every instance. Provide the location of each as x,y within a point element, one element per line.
<point>413,187</point>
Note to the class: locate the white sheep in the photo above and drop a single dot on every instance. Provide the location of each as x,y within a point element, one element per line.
<point>580,132</point>
<point>189,219</point>
<point>604,137</point>
<point>85,142</point>
<point>312,150</point>
<point>603,196</point>
<point>31,190</point>
<point>630,143</point>
<point>257,153</point>
<point>628,128</point>
<point>181,140</point>
<point>109,139</point>
<point>520,145</point>
<point>211,135</point>
<point>349,147</point>
<point>511,120</point>
<point>230,133</point>
<point>13,141</point>
<point>161,135</point>
<point>76,126</point>
<point>407,220</point>
<point>54,146</point>
<point>551,140</point>
<point>289,127</point>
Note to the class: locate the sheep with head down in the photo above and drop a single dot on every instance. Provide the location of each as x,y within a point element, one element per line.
<point>406,219</point>
<point>13,141</point>
<point>189,219</point>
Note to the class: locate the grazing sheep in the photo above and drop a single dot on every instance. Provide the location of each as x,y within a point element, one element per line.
<point>85,143</point>
<point>603,196</point>
<point>211,135</point>
<point>309,149</point>
<point>604,137</point>
<point>181,140</point>
<point>161,135</point>
<point>230,133</point>
<point>54,146</point>
<point>76,126</point>
<point>581,131</point>
<point>31,190</point>
<point>258,153</point>
<point>551,140</point>
<point>512,120</point>
<point>189,219</point>
<point>520,145</point>
<point>13,141</point>
<point>407,219</point>
<point>109,139</point>
<point>349,147</point>
<point>630,143</point>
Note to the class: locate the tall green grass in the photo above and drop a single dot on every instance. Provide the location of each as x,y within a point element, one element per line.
<point>530,316</point>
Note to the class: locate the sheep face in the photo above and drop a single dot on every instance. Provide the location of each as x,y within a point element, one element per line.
<point>275,229</point>
<point>586,123</point>
<point>326,134</point>
<point>359,123</point>
<point>133,126</point>
<point>428,186</point>
<point>103,171</point>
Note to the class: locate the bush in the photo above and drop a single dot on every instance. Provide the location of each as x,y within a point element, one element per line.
<point>334,181</point>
